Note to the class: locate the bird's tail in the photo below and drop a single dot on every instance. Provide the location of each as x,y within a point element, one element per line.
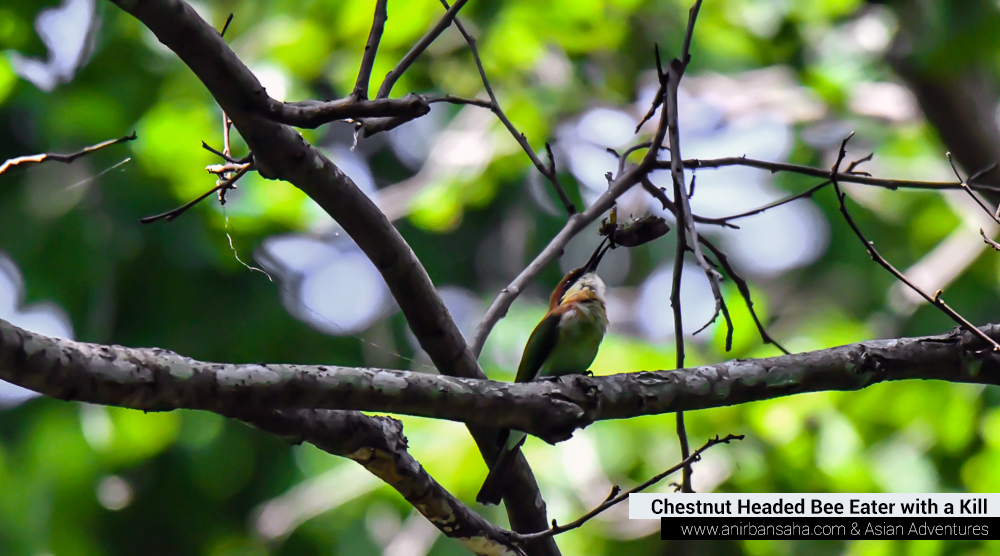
<point>492,489</point>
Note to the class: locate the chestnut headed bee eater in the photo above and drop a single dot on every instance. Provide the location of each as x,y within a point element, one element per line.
<point>564,342</point>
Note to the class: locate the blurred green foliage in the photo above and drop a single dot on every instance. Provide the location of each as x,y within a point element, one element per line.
<point>84,480</point>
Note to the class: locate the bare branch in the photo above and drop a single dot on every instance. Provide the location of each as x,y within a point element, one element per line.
<point>221,155</point>
<point>624,156</point>
<point>744,289</point>
<point>547,171</point>
<point>220,186</point>
<point>371,50</point>
<point>660,91</point>
<point>805,194</point>
<point>988,241</point>
<point>461,101</point>
<point>418,49</point>
<point>870,247</point>
<point>668,205</point>
<point>617,497</point>
<point>965,186</point>
<point>378,444</point>
<point>64,158</point>
<point>842,177</point>
<point>225,26</point>
<point>311,114</point>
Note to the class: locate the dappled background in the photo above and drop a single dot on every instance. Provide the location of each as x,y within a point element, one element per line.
<point>270,277</point>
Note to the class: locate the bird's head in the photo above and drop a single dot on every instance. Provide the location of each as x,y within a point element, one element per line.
<point>581,283</point>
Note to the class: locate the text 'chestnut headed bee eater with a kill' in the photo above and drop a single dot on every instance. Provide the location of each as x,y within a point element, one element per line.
<point>564,342</point>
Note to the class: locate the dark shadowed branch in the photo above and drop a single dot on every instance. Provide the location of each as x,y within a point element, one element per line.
<point>744,289</point>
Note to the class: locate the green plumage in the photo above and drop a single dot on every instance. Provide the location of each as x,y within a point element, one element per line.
<point>566,341</point>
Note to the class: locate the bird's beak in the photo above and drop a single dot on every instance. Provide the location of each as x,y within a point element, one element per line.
<point>595,259</point>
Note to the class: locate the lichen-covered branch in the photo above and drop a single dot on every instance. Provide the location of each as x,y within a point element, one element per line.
<point>153,380</point>
<point>378,444</point>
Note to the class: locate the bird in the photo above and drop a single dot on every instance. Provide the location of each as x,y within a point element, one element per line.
<point>566,341</point>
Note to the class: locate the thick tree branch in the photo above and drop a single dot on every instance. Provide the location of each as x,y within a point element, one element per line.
<point>281,153</point>
<point>378,444</point>
<point>155,380</point>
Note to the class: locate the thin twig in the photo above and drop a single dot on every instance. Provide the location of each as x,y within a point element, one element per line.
<point>675,306</point>
<point>965,186</point>
<point>223,169</point>
<point>225,26</point>
<point>624,156</point>
<point>668,205</point>
<point>172,214</point>
<point>807,193</point>
<point>418,49</point>
<point>660,91</point>
<point>227,149</point>
<point>982,173</point>
<point>616,496</point>
<point>225,174</point>
<point>547,171</point>
<point>459,100</point>
<point>225,156</point>
<point>741,283</point>
<point>220,154</point>
<point>842,177</point>
<point>870,247</point>
<point>990,242</point>
<point>64,158</point>
<point>371,49</point>
<point>744,289</point>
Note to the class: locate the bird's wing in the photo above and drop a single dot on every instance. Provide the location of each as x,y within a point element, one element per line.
<point>536,351</point>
